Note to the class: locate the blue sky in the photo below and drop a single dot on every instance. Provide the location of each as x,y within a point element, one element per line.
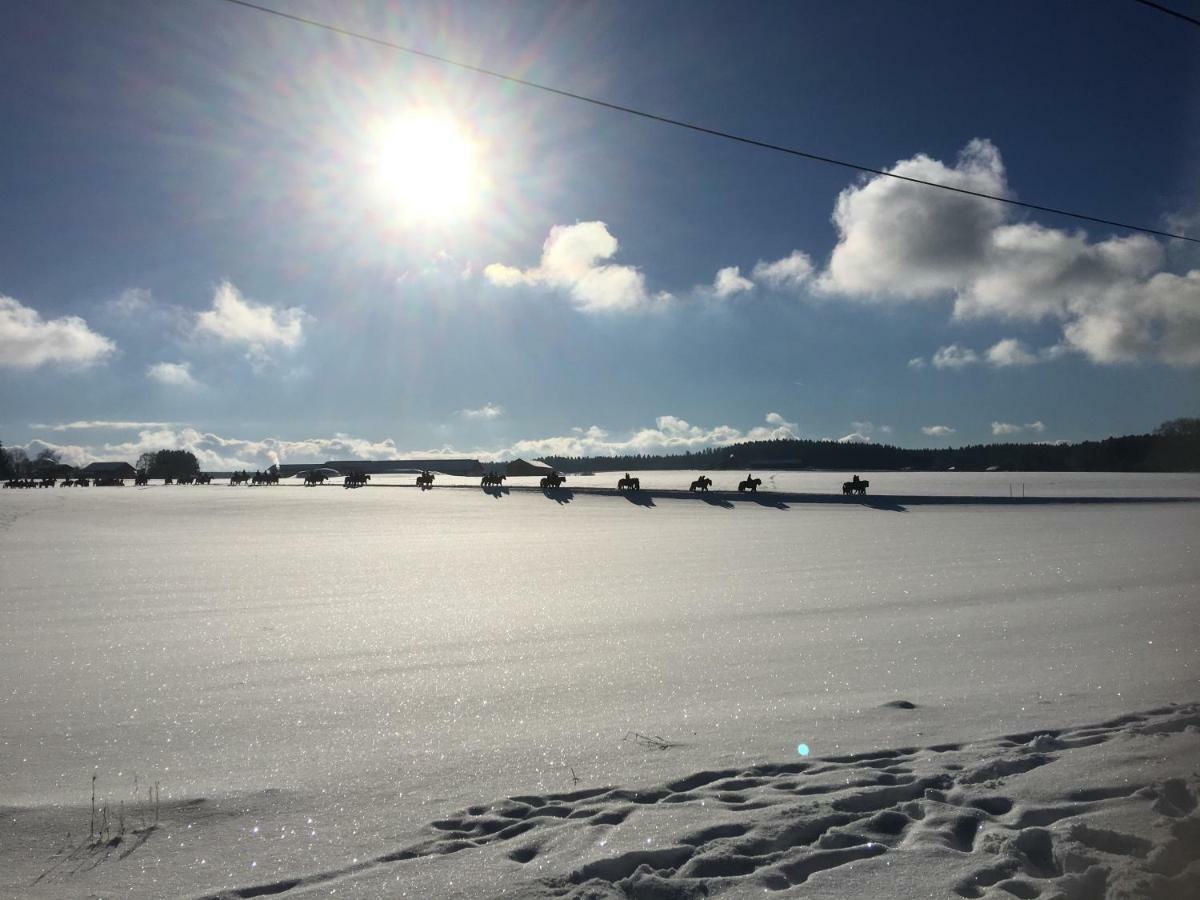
<point>211,242</point>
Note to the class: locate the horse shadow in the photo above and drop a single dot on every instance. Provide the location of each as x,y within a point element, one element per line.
<point>559,495</point>
<point>882,503</point>
<point>713,500</point>
<point>637,498</point>
<point>495,490</point>
<point>772,502</point>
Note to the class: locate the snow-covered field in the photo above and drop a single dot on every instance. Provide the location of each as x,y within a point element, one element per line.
<point>337,690</point>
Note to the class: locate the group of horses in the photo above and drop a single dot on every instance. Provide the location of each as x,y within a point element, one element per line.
<point>552,481</point>
<point>31,482</point>
<point>244,477</point>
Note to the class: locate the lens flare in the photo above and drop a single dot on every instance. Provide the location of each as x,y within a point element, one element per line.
<point>802,749</point>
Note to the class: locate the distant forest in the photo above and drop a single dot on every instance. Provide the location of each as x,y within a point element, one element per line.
<point>1173,447</point>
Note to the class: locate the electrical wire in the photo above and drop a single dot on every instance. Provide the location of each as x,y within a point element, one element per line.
<point>702,129</point>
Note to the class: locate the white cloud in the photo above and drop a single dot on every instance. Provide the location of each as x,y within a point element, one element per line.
<point>173,374</point>
<point>788,273</point>
<point>954,356</point>
<point>900,241</point>
<point>774,418</point>
<point>937,430</point>
<point>917,362</point>
<point>97,424</point>
<point>1005,428</point>
<point>863,433</point>
<point>730,281</point>
<point>216,453</point>
<point>856,437</point>
<point>28,341</point>
<point>487,411</point>
<point>573,261</point>
<point>669,434</point>
<point>1010,352</point>
<point>258,327</point>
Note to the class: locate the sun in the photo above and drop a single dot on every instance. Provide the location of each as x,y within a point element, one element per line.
<point>426,167</point>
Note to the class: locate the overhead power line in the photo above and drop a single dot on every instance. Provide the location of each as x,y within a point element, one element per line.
<point>691,126</point>
<point>1170,12</point>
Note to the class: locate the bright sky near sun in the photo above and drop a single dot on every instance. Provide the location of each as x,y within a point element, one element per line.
<point>242,235</point>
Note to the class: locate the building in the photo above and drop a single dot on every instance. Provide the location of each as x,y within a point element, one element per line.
<point>518,467</point>
<point>108,470</point>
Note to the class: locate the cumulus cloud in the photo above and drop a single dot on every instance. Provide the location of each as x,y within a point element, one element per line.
<point>257,327</point>
<point>1010,352</point>
<point>173,374</point>
<point>574,261</point>
<point>216,453</point>
<point>1006,428</point>
<point>487,411</point>
<point>954,356</point>
<point>788,273</point>
<point>900,241</point>
<point>730,281</point>
<point>28,341</point>
<point>937,430</point>
<point>856,437</point>
<point>670,434</point>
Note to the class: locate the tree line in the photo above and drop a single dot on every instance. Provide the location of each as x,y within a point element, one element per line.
<point>15,463</point>
<point>1173,446</point>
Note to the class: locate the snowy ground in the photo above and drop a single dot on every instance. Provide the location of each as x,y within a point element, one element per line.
<point>335,689</point>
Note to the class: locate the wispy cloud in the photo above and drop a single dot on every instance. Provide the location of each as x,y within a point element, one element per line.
<point>98,424</point>
<point>937,430</point>
<point>1006,428</point>
<point>28,341</point>
<point>487,411</point>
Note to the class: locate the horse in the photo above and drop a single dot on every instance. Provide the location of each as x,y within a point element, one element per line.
<point>186,479</point>
<point>701,484</point>
<point>203,479</point>
<point>355,479</point>
<point>239,478</point>
<point>629,484</point>
<point>313,479</point>
<point>553,480</point>
<point>492,479</point>
<point>141,479</point>
<point>855,487</point>
<point>750,484</point>
<point>425,481</point>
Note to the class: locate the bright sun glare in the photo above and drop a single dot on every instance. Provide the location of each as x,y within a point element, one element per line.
<point>426,167</point>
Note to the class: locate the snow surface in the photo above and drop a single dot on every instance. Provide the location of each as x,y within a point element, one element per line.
<point>317,677</point>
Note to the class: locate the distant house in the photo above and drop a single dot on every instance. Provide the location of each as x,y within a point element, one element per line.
<point>108,470</point>
<point>519,467</point>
